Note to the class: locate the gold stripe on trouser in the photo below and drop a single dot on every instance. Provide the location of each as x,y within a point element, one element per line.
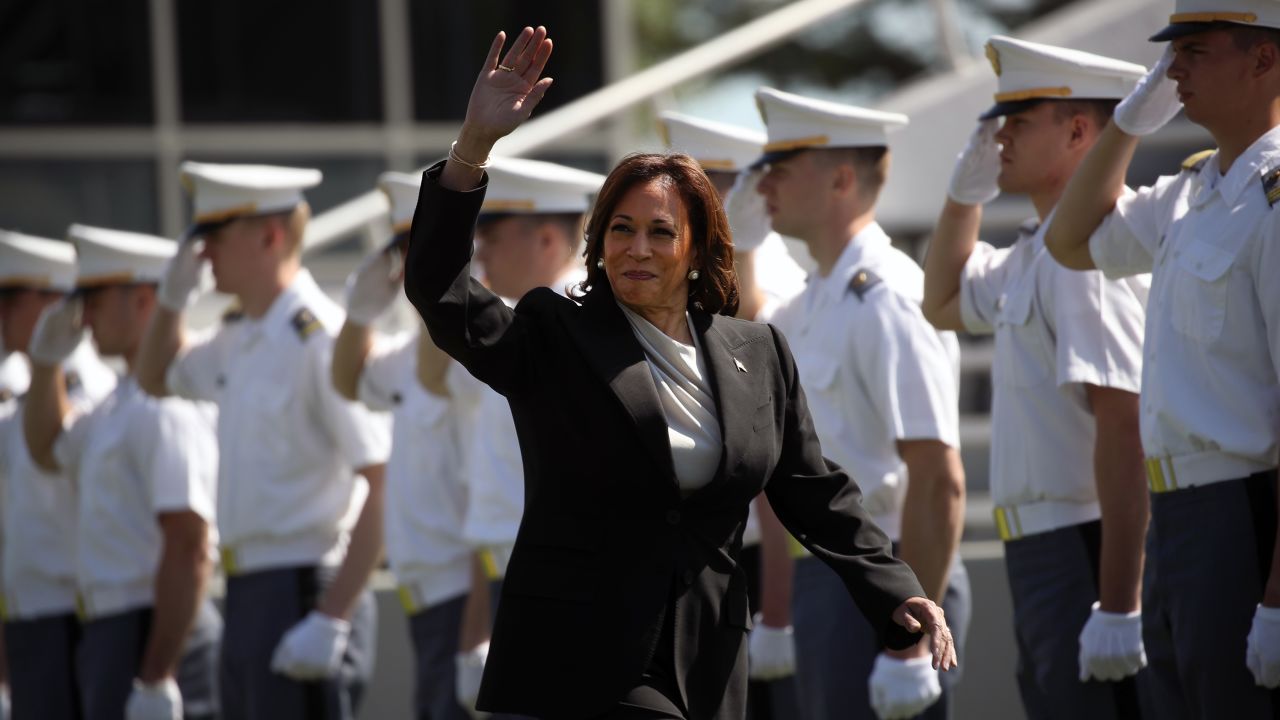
<point>229,565</point>
<point>1007,522</point>
<point>490,565</point>
<point>407,600</point>
<point>1158,480</point>
<point>82,608</point>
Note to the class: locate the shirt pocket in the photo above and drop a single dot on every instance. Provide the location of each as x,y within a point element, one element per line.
<point>819,376</point>
<point>1199,290</point>
<point>1022,355</point>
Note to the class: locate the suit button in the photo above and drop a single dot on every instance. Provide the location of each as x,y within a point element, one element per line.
<point>673,517</point>
<point>687,576</point>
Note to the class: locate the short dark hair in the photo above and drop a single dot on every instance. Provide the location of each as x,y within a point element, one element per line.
<point>716,290</point>
<point>1098,110</point>
<point>870,164</point>
<point>1247,37</point>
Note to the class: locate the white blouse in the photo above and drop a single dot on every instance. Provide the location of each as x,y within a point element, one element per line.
<point>680,375</point>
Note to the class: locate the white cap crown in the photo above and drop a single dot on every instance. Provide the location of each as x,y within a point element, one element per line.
<point>225,192</point>
<point>716,146</point>
<point>1032,71</point>
<point>401,190</point>
<point>524,186</point>
<point>1191,16</point>
<point>111,257</point>
<point>36,262</point>
<point>795,122</point>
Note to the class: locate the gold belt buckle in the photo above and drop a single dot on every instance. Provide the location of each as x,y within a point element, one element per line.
<point>1007,523</point>
<point>229,564</point>
<point>1157,479</point>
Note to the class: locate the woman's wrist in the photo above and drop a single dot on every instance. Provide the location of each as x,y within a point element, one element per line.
<point>473,146</point>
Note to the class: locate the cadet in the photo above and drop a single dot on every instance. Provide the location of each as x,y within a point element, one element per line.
<point>768,277</point>
<point>1066,375</point>
<point>433,401</point>
<point>39,523</point>
<point>1211,360</point>
<point>144,470</point>
<point>528,236</point>
<point>300,623</point>
<point>882,386</point>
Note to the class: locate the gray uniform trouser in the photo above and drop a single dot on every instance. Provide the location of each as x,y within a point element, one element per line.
<point>111,653</point>
<point>260,608</point>
<point>42,667</point>
<point>1053,580</point>
<point>435,644</point>
<point>836,647</point>
<point>1209,554</point>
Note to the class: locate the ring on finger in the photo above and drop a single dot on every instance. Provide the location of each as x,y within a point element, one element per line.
<point>504,68</point>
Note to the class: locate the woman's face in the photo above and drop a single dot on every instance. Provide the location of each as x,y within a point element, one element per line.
<point>648,251</point>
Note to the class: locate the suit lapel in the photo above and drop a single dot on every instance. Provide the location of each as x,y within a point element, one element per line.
<point>614,354</point>
<point>734,388</point>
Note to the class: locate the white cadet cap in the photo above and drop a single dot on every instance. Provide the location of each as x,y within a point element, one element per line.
<point>34,262</point>
<point>1193,16</point>
<point>796,123</point>
<point>717,147</point>
<point>221,193</point>
<point>401,190</point>
<point>117,257</point>
<point>1028,73</point>
<point>527,187</point>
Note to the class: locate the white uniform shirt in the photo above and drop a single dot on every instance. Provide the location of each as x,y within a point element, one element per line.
<point>1210,395</point>
<point>496,469</point>
<point>426,481</point>
<point>134,457</point>
<point>873,370</point>
<point>1056,330</point>
<point>288,443</point>
<point>40,508</point>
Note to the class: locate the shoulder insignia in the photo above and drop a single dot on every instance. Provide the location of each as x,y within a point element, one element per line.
<point>1193,163</point>
<point>862,282</point>
<point>1271,185</point>
<point>305,323</point>
<point>233,313</point>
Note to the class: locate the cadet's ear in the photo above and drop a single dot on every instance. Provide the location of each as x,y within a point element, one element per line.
<point>1266,57</point>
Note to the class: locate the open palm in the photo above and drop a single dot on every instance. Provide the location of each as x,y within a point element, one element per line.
<point>506,92</point>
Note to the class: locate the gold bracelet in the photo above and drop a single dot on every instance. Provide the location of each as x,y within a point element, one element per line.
<point>453,155</point>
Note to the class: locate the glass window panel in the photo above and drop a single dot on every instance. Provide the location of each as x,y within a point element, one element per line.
<point>450,40</point>
<point>284,60</point>
<point>75,61</point>
<point>43,197</point>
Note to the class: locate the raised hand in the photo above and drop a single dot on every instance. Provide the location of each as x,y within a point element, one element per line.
<point>506,91</point>
<point>974,181</point>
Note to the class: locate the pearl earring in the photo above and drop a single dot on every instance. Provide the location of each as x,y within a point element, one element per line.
<point>693,274</point>
<point>600,263</point>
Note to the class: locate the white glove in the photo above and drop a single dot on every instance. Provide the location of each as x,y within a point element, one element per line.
<point>748,216</point>
<point>57,333</point>
<point>313,648</point>
<point>903,688</point>
<point>772,651</point>
<point>372,288</point>
<point>1152,103</point>
<point>469,666</point>
<point>974,179</point>
<point>161,701</point>
<point>182,277</point>
<point>1111,645</point>
<point>1263,652</point>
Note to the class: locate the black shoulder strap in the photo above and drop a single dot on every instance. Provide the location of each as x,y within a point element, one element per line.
<point>862,282</point>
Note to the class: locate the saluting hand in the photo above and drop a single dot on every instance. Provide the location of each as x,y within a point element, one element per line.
<point>919,614</point>
<point>57,333</point>
<point>975,179</point>
<point>373,287</point>
<point>506,91</point>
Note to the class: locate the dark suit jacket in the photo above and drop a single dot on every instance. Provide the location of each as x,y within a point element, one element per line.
<point>607,540</point>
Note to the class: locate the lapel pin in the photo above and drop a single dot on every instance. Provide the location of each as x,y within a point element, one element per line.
<point>741,368</point>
